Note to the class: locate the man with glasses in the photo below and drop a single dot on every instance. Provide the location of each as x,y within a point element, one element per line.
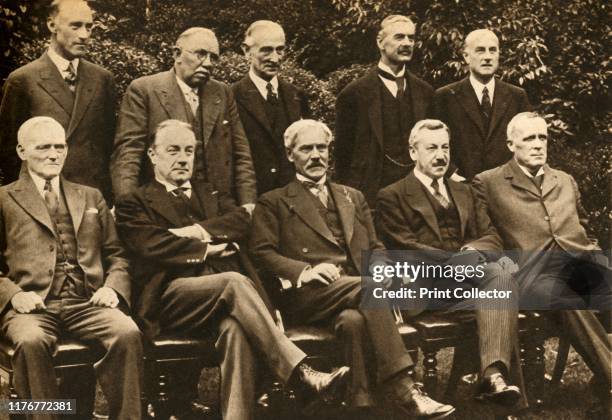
<point>186,93</point>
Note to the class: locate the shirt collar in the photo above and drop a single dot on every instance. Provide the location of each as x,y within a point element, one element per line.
<point>303,179</point>
<point>40,182</point>
<point>262,84</point>
<point>427,180</point>
<point>60,62</point>
<point>478,87</point>
<point>171,187</point>
<point>526,171</point>
<point>185,88</point>
<point>386,68</point>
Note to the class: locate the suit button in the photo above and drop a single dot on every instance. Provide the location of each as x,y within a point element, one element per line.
<point>51,248</point>
<point>273,170</point>
<point>304,250</point>
<point>546,218</point>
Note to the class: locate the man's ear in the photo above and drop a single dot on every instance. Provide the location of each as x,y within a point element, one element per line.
<point>176,52</point>
<point>245,49</point>
<point>51,25</point>
<point>413,154</point>
<point>465,56</point>
<point>21,152</point>
<point>510,145</point>
<point>151,154</point>
<point>289,154</point>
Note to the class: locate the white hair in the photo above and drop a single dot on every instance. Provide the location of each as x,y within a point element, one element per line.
<point>514,124</point>
<point>34,125</point>
<point>294,130</point>
<point>430,125</point>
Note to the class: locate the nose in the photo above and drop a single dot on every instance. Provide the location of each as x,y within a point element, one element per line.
<point>84,33</point>
<point>275,56</point>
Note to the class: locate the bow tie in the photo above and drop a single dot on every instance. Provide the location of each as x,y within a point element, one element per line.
<point>180,191</point>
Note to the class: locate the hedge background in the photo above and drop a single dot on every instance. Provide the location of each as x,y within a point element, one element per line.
<point>555,49</point>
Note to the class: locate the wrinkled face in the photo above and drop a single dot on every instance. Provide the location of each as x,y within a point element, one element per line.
<point>71,29</point>
<point>172,156</point>
<point>310,154</point>
<point>482,55</point>
<point>44,150</point>
<point>267,52</point>
<point>529,143</point>
<point>396,43</point>
<point>431,152</point>
<point>195,57</point>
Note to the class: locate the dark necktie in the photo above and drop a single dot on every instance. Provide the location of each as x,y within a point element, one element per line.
<point>485,107</point>
<point>71,77</point>
<point>437,195</point>
<point>399,81</point>
<point>318,190</point>
<point>537,180</point>
<point>51,199</point>
<point>270,95</point>
<point>180,193</point>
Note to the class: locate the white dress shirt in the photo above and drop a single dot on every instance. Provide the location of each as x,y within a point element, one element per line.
<point>62,64</point>
<point>526,171</point>
<point>478,87</point>
<point>40,184</point>
<point>262,85</point>
<point>190,94</point>
<point>171,187</point>
<point>426,180</point>
<point>390,84</point>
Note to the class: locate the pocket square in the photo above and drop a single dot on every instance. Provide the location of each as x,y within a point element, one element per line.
<point>225,122</point>
<point>92,210</point>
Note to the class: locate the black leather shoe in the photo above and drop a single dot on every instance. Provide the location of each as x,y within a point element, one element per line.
<point>415,403</point>
<point>327,386</point>
<point>494,389</point>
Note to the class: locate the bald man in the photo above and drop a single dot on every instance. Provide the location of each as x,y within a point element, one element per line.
<point>185,93</point>
<point>63,271</point>
<point>63,85</point>
<point>375,113</point>
<point>267,104</point>
<point>478,108</point>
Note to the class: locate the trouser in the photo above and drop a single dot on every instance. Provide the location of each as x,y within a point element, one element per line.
<point>35,338</point>
<point>229,303</point>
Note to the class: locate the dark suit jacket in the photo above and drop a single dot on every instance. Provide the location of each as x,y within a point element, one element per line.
<point>405,219</point>
<point>28,245</point>
<point>38,89</point>
<point>272,168</point>
<point>153,99</point>
<point>359,149</point>
<point>473,150</point>
<point>288,232</point>
<point>143,219</point>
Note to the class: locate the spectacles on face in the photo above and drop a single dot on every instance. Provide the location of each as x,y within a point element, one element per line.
<point>202,55</point>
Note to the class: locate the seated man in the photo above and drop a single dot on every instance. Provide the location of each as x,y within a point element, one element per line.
<point>185,239</point>
<point>312,233</point>
<point>438,219</point>
<point>536,210</point>
<point>63,271</point>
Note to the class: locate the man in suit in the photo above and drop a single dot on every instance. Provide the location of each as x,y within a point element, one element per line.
<point>310,234</point>
<point>477,109</point>
<point>63,270</point>
<point>445,224</point>
<point>374,114</point>
<point>268,104</point>
<point>63,85</point>
<point>186,93</point>
<point>185,239</point>
<point>536,209</point>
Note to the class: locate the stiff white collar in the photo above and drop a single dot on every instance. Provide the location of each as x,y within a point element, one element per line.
<point>262,84</point>
<point>302,178</point>
<point>427,181</point>
<point>171,187</point>
<point>61,63</point>
<point>526,171</point>
<point>39,182</point>
<point>478,87</point>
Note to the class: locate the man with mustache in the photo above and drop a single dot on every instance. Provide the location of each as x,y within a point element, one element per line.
<point>374,114</point>
<point>310,234</point>
<point>443,223</point>
<point>267,104</point>
<point>185,236</point>
<point>187,93</point>
<point>63,85</point>
<point>537,211</point>
<point>478,108</point>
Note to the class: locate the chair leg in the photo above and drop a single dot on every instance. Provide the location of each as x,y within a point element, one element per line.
<point>430,377</point>
<point>162,403</point>
<point>562,355</point>
<point>534,360</point>
<point>461,354</point>
<point>13,396</point>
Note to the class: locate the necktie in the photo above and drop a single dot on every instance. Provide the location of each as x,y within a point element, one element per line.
<point>194,100</point>
<point>70,77</point>
<point>50,197</point>
<point>318,190</point>
<point>437,195</point>
<point>537,180</point>
<point>399,81</point>
<point>485,107</point>
<point>180,192</point>
<point>270,95</point>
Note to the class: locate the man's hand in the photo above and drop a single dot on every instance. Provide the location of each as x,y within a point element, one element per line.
<point>323,273</point>
<point>105,296</point>
<point>194,232</point>
<point>26,302</point>
<point>220,250</point>
<point>467,257</point>
<point>508,265</point>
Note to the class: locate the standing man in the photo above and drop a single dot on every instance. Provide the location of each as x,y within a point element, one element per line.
<point>267,105</point>
<point>478,108</point>
<point>185,236</point>
<point>186,93</point>
<point>63,272</point>
<point>311,234</point>
<point>444,223</point>
<point>536,209</point>
<point>374,114</point>
<point>63,85</point>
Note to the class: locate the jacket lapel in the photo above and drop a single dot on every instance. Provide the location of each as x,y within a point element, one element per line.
<point>418,104</point>
<point>253,102</point>
<point>75,200</point>
<point>51,81</point>
<point>549,182</point>
<point>208,198</point>
<point>415,198</point>
<point>24,192</point>
<point>85,90</point>
<point>346,210</point>
<point>462,202</point>
<point>501,101</point>
<point>210,107</point>
<point>170,97</point>
<point>467,99</point>
<point>518,179</point>
<point>159,200</point>
<point>375,106</point>
<point>298,201</point>
<point>291,100</point>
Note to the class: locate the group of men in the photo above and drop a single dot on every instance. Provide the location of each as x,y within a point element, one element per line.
<point>214,187</point>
